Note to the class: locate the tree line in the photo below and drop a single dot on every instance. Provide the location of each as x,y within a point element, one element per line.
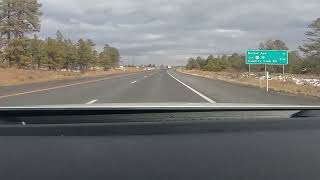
<point>20,47</point>
<point>308,62</point>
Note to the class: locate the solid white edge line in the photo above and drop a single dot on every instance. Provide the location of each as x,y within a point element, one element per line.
<point>93,101</point>
<point>193,90</point>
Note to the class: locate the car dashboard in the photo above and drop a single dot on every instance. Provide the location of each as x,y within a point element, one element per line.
<point>202,144</point>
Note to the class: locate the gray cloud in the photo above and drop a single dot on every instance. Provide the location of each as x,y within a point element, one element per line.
<point>166,32</point>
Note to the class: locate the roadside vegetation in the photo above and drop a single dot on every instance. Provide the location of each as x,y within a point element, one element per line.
<point>303,63</point>
<point>15,76</point>
<point>275,85</point>
<point>21,48</point>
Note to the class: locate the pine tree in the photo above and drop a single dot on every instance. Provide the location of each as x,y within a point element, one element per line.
<point>17,52</point>
<point>37,50</point>
<point>18,18</point>
<point>312,46</point>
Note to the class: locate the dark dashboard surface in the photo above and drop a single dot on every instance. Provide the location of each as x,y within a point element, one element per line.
<point>171,147</point>
<point>233,155</point>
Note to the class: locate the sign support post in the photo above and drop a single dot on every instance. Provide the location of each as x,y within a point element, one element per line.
<point>284,77</point>
<point>249,70</point>
<point>265,70</point>
<point>272,57</point>
<point>267,81</point>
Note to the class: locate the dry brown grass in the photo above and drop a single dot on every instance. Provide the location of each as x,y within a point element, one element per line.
<point>275,85</point>
<point>13,76</point>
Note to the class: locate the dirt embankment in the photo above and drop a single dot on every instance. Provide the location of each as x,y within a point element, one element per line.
<point>13,76</point>
<point>275,85</point>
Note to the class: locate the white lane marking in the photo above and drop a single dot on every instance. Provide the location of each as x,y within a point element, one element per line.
<point>63,86</point>
<point>93,101</point>
<point>145,76</point>
<point>133,82</point>
<point>193,90</point>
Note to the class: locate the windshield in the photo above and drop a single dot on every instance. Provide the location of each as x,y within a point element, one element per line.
<point>67,52</point>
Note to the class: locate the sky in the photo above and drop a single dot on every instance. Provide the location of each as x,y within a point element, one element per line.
<point>169,31</point>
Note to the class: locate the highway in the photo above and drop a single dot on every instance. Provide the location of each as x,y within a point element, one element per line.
<point>158,86</point>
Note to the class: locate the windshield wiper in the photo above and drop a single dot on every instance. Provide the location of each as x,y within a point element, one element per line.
<point>110,113</point>
<point>306,113</point>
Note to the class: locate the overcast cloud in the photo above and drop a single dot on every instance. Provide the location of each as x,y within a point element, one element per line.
<point>169,31</point>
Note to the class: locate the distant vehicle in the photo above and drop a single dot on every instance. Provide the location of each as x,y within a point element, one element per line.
<point>169,67</point>
<point>149,68</point>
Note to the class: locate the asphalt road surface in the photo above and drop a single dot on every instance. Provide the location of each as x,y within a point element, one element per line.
<point>144,87</point>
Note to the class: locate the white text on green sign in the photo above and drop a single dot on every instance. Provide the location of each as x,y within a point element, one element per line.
<point>273,57</point>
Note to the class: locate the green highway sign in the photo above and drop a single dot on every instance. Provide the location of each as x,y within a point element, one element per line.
<point>272,57</point>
